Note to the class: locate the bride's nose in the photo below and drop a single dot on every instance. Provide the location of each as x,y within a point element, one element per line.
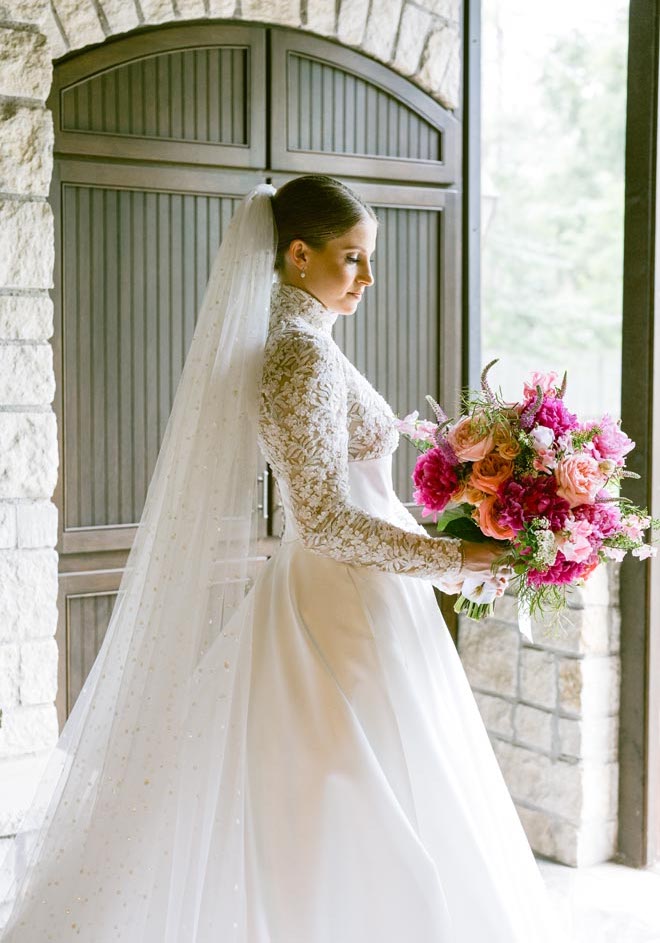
<point>366,275</point>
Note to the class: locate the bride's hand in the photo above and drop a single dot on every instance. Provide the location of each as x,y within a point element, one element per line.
<point>480,557</point>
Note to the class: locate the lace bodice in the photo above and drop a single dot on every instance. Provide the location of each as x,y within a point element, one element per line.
<point>317,414</point>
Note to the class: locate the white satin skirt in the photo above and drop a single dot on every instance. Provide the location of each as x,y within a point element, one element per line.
<point>360,799</point>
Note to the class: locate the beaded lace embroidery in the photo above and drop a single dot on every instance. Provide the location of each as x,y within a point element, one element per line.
<point>318,413</point>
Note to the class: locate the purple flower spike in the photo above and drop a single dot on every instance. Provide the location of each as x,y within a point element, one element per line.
<point>528,415</point>
<point>440,414</point>
<point>562,389</point>
<point>485,386</point>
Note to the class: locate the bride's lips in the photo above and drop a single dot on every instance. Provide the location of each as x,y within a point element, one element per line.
<point>356,294</point>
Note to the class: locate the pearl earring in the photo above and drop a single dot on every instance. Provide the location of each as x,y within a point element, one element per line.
<point>302,274</point>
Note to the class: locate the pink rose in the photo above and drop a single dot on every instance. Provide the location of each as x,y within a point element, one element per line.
<point>578,479</point>
<point>469,440</point>
<point>547,382</point>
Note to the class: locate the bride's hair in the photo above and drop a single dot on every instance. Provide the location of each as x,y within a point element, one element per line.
<point>315,208</point>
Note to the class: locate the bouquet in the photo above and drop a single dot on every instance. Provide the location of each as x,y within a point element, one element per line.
<point>532,476</point>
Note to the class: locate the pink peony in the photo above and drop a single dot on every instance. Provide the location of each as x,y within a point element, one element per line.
<point>644,552</point>
<point>525,500</point>
<point>555,416</point>
<point>562,571</point>
<point>435,479</point>
<point>579,479</point>
<point>611,442</point>
<point>604,516</point>
<point>547,382</point>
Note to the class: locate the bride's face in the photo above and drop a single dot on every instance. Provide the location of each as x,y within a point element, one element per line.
<point>337,274</point>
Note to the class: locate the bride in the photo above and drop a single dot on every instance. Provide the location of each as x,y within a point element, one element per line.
<point>288,751</point>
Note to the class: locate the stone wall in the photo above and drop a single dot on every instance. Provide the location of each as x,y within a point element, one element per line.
<point>551,709</point>
<point>28,437</point>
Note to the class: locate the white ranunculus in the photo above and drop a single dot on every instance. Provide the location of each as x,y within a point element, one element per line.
<point>542,437</point>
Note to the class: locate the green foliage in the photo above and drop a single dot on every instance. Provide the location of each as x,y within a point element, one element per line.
<point>552,257</point>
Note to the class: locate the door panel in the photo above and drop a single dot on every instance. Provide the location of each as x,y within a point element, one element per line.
<point>337,112</point>
<point>191,94</point>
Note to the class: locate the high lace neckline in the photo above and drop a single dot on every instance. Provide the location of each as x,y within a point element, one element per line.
<point>289,301</point>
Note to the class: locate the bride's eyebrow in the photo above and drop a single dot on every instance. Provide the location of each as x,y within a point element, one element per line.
<point>359,248</point>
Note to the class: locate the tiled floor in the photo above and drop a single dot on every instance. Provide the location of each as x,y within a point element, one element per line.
<point>606,903</point>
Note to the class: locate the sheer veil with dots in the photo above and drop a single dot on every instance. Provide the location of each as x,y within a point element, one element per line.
<point>118,836</point>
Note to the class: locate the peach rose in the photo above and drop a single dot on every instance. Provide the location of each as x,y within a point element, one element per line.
<point>489,473</point>
<point>579,479</point>
<point>487,519</point>
<point>468,440</point>
<point>505,443</point>
<point>465,493</point>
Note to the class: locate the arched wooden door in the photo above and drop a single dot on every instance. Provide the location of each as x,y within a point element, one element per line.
<point>157,137</point>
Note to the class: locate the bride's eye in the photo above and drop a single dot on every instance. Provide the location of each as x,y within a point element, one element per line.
<point>351,259</point>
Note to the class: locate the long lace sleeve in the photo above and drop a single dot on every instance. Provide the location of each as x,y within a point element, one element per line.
<point>304,398</point>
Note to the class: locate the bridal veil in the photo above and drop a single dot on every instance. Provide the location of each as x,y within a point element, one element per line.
<point>122,794</point>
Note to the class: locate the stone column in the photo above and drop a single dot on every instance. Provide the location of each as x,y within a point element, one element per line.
<point>28,440</point>
<point>551,710</point>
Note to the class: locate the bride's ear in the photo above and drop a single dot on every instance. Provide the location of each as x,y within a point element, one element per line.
<point>298,252</point>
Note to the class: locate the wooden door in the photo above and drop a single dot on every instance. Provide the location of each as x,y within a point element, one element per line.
<point>158,136</point>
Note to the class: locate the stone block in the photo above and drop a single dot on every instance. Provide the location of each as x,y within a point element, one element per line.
<point>382,28</point>
<point>538,678</point>
<point>589,686</point>
<point>37,524</point>
<point>28,594</point>
<point>596,590</point>
<point>28,730</point>
<point>588,630</point>
<point>26,317</point>
<point>322,16</point>
<point>440,69</point>
<point>550,835</point>
<point>26,154</point>
<point>286,12</point>
<point>27,71</point>
<point>591,738</point>
<point>448,10</point>
<point>80,22</point>
<point>597,842</point>
<point>496,713</point>
<point>533,727</point>
<point>352,21</point>
<point>8,526</point>
<point>413,32</point>
<point>489,656</point>
<point>38,683</point>
<point>26,375</point>
<point>224,8</point>
<point>158,11</point>
<point>528,774</point>
<point>28,455</point>
<point>27,250</point>
<point>19,777</point>
<point>57,43</point>
<point>9,675</point>
<point>33,12</point>
<point>122,16</point>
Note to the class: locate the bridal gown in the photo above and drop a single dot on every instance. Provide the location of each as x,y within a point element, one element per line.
<point>357,798</point>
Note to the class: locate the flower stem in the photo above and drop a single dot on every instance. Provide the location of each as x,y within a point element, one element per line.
<point>473,610</point>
